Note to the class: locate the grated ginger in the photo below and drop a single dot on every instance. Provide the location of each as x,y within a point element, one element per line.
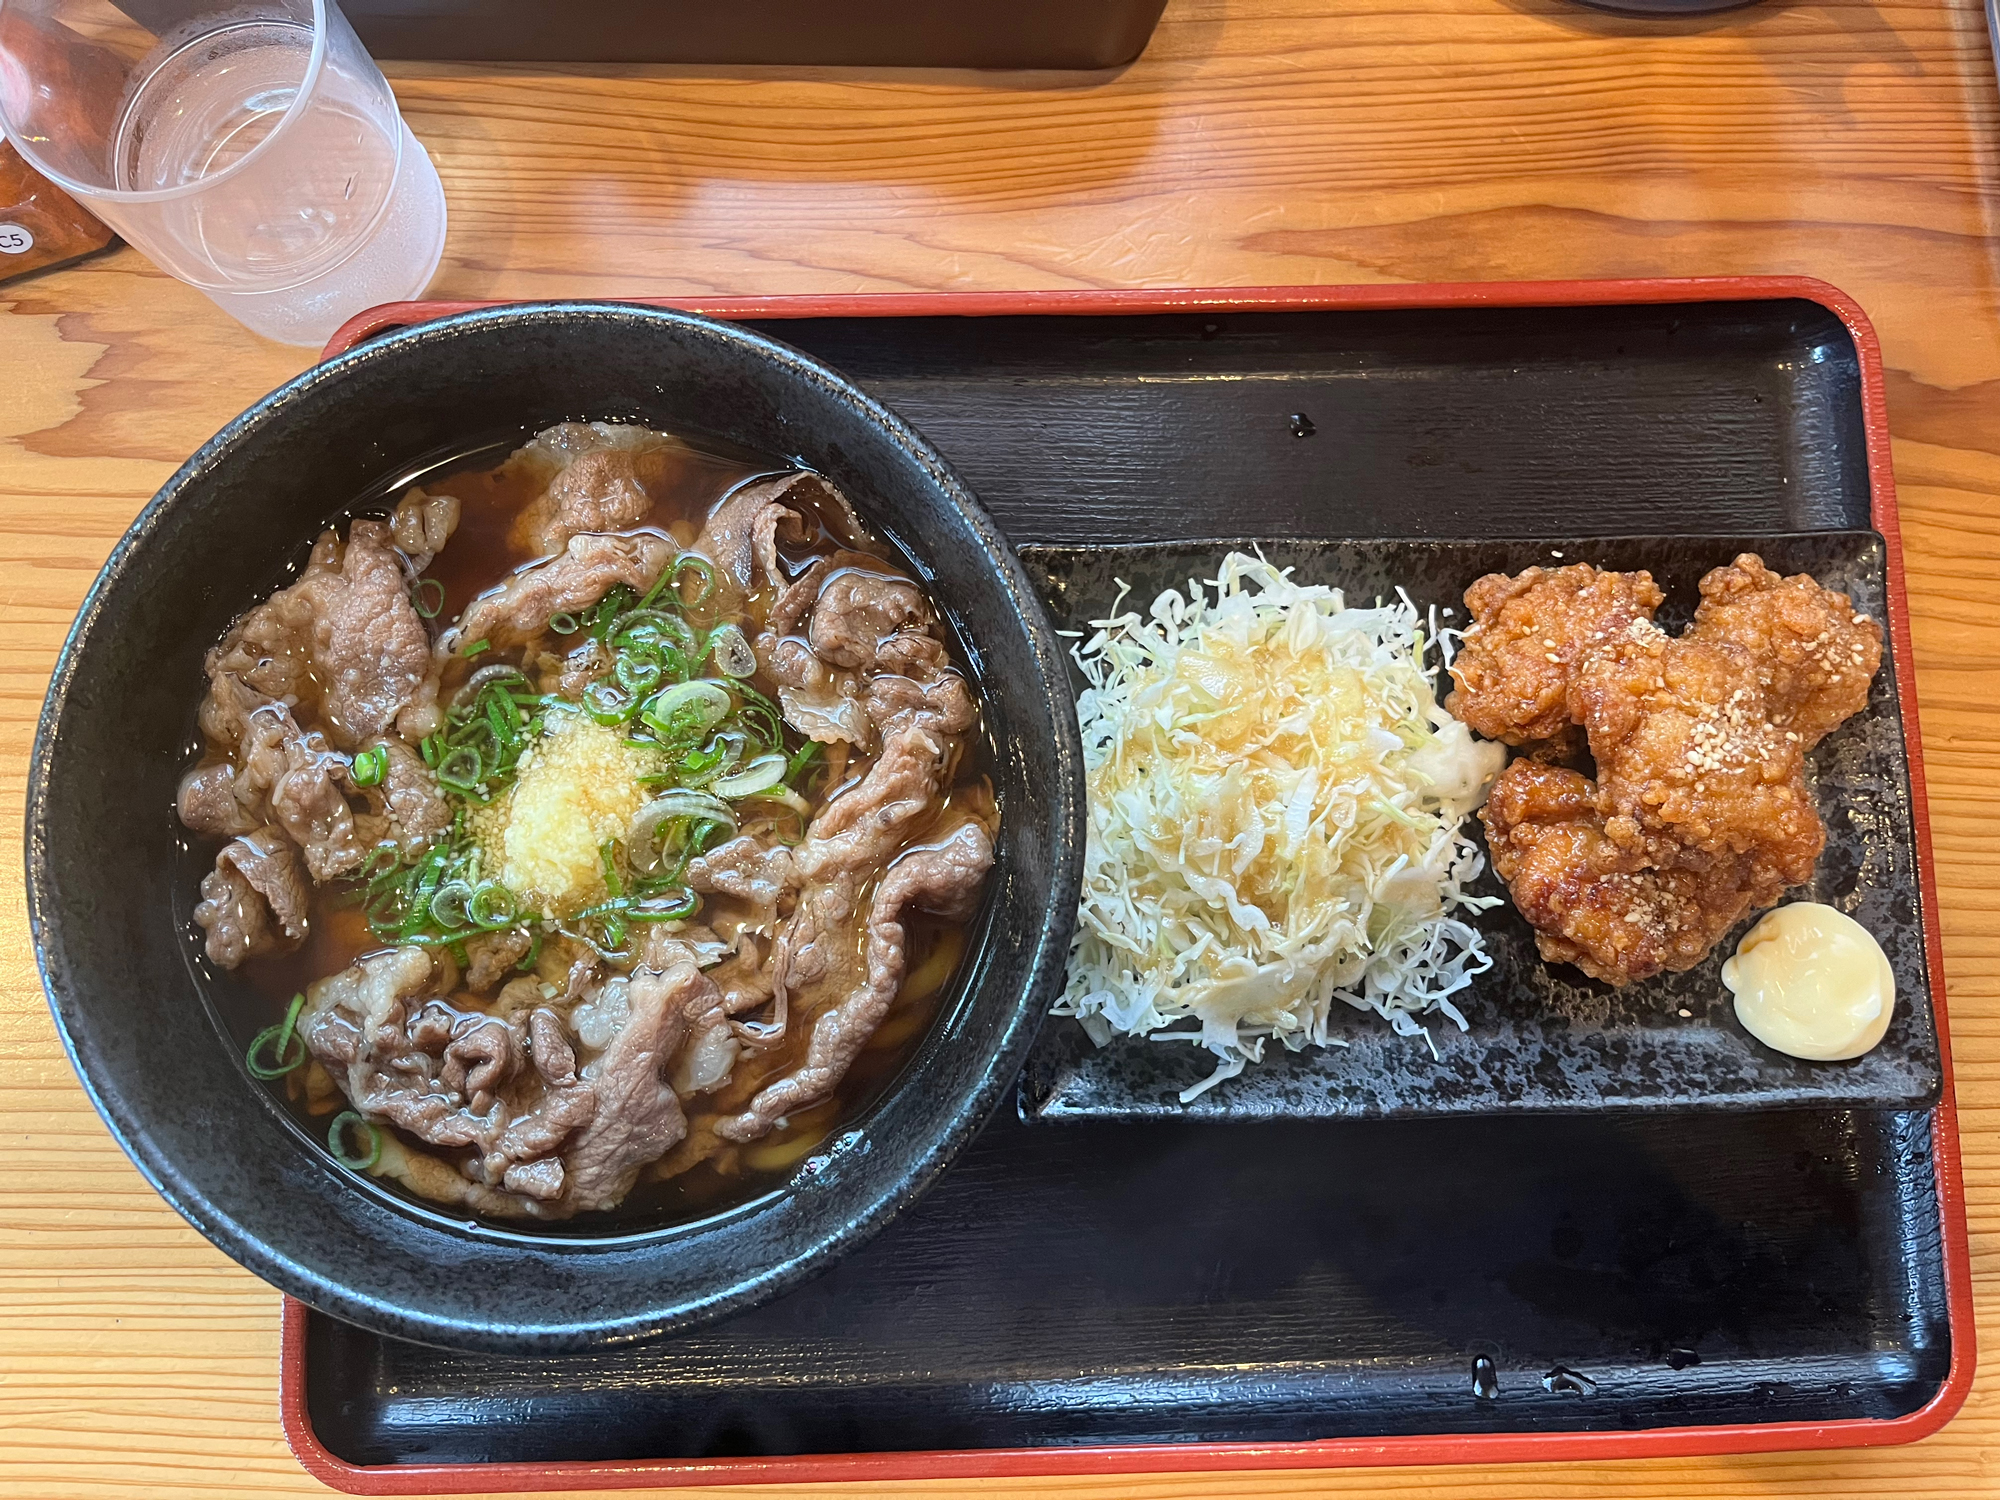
<point>578,788</point>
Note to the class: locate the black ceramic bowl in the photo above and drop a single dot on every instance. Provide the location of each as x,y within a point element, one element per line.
<point>110,898</point>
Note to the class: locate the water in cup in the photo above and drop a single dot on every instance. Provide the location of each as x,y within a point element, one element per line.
<point>256,153</point>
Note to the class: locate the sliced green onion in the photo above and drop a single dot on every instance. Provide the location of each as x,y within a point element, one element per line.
<point>564,623</point>
<point>685,802</point>
<point>642,846</point>
<point>763,773</point>
<point>608,852</point>
<point>492,906</point>
<point>718,757</point>
<point>637,675</point>
<point>708,758</point>
<point>477,740</point>
<point>804,760</point>
<point>687,562</point>
<point>450,905</point>
<point>664,908</point>
<point>789,798</point>
<point>466,698</point>
<point>751,695</point>
<point>641,626</point>
<point>474,728</point>
<point>704,572</point>
<point>759,710</point>
<point>502,715</point>
<point>800,814</point>
<point>429,605</point>
<point>643,665</point>
<point>607,705</point>
<point>608,609</point>
<point>336,1141</point>
<point>475,648</point>
<point>644,654</point>
<point>659,585</point>
<point>429,876</point>
<point>460,770</point>
<point>686,707</point>
<point>371,765</point>
<point>732,653</point>
<point>279,1039</point>
<point>527,965</point>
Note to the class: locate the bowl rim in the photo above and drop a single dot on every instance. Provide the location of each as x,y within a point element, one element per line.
<point>1048,941</point>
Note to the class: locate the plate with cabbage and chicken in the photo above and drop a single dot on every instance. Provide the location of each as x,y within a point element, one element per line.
<point>1434,827</point>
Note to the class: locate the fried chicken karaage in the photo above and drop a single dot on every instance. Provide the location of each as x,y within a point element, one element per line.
<point>1688,763</point>
<point>1814,655</point>
<point>1700,809</point>
<point>1592,903</point>
<point>1513,665</point>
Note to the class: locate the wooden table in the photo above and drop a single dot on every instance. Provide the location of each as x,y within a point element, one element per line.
<point>1256,142</point>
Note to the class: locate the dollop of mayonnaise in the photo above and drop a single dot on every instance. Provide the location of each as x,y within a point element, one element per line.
<point>1812,982</point>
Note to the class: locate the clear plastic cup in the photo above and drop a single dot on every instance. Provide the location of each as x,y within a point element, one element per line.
<point>252,150</point>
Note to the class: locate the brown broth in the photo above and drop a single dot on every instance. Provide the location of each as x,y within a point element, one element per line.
<point>480,555</point>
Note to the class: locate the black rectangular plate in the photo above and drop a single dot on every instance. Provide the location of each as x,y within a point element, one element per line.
<point>1115,1281</point>
<point>1544,1037</point>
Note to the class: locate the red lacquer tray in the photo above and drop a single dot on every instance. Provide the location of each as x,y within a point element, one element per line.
<point>322,1361</point>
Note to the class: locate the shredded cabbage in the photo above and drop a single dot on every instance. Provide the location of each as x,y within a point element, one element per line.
<point>1276,799</point>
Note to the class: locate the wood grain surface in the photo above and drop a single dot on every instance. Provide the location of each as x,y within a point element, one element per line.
<point>1256,142</point>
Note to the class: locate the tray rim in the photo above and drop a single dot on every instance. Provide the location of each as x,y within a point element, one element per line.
<point>1160,1458</point>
